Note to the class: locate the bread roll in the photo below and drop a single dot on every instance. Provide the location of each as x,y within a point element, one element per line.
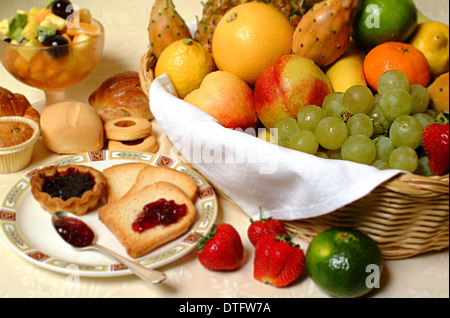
<point>120,216</point>
<point>119,96</point>
<point>71,127</point>
<point>17,105</point>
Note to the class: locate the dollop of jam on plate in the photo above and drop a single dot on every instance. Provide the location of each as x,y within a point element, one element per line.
<point>69,184</point>
<point>161,212</point>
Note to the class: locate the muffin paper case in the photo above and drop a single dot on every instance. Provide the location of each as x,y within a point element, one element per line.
<point>16,158</point>
<point>255,174</point>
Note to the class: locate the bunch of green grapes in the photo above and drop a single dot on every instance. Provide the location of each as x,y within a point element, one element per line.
<point>383,130</point>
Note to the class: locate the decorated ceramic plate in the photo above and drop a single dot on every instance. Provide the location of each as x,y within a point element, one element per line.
<point>28,229</point>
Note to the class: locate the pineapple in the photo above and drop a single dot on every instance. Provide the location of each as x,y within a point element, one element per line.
<point>213,10</point>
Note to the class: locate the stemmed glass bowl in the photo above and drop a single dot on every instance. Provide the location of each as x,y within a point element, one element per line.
<point>53,69</point>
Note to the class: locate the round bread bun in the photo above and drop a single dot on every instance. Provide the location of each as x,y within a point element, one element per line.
<point>71,127</point>
<point>148,144</point>
<point>128,128</point>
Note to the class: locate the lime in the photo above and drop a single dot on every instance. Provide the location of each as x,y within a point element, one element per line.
<point>345,263</point>
<point>379,21</point>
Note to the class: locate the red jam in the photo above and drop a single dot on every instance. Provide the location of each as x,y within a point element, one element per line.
<point>161,212</point>
<point>133,142</point>
<point>74,232</point>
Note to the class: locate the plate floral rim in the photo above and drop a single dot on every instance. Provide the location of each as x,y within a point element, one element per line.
<point>206,204</point>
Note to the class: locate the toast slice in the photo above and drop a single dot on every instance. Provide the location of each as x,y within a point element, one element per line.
<point>121,178</point>
<point>153,174</point>
<point>120,216</point>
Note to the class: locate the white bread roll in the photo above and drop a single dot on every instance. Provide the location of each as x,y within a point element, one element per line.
<point>71,127</point>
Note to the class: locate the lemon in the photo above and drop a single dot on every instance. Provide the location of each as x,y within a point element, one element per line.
<point>345,263</point>
<point>186,62</point>
<point>432,39</point>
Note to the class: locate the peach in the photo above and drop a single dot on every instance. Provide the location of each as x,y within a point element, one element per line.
<point>227,98</point>
<point>284,88</point>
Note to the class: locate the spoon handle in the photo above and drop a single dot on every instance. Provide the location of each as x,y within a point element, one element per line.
<point>149,275</point>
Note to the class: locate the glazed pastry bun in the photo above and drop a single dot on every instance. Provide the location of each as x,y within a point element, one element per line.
<point>71,127</point>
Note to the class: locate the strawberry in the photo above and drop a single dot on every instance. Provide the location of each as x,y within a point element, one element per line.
<point>263,227</point>
<point>221,249</point>
<point>435,142</point>
<point>277,260</point>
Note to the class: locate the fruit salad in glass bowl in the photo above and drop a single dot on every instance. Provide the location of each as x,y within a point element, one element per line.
<point>51,48</point>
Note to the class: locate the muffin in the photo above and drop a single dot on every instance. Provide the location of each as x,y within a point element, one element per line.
<point>18,135</point>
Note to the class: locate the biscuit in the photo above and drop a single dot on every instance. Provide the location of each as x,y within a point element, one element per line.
<point>148,144</point>
<point>120,178</point>
<point>128,128</point>
<point>120,216</point>
<point>153,174</point>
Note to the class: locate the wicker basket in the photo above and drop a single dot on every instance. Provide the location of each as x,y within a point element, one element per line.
<point>405,216</point>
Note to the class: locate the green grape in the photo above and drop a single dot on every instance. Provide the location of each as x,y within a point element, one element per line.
<point>360,124</point>
<point>308,117</point>
<point>404,158</point>
<point>359,148</point>
<point>321,154</point>
<point>380,124</point>
<point>384,146</point>
<point>380,164</point>
<point>332,104</point>
<point>424,119</point>
<point>421,98</point>
<point>334,154</point>
<point>424,167</point>
<point>406,130</point>
<point>392,79</point>
<point>395,103</point>
<point>432,112</point>
<point>358,99</point>
<point>331,132</point>
<point>285,128</point>
<point>305,141</point>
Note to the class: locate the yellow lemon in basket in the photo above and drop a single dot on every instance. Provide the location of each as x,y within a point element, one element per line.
<point>345,263</point>
<point>186,62</point>
<point>249,38</point>
<point>432,39</point>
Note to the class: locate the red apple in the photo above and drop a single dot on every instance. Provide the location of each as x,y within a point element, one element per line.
<point>284,88</point>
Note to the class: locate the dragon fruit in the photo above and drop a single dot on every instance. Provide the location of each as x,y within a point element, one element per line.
<point>166,26</point>
<point>324,32</point>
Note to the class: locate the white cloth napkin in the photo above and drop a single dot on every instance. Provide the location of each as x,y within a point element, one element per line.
<point>255,174</point>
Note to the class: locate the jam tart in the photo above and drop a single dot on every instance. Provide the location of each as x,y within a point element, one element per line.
<point>72,188</point>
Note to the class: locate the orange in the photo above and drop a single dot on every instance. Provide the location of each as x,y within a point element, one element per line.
<point>396,56</point>
<point>84,28</point>
<point>249,38</point>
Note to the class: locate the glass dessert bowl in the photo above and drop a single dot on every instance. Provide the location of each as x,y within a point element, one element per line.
<point>57,65</point>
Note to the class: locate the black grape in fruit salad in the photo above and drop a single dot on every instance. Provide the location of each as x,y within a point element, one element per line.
<point>59,8</point>
<point>60,43</point>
